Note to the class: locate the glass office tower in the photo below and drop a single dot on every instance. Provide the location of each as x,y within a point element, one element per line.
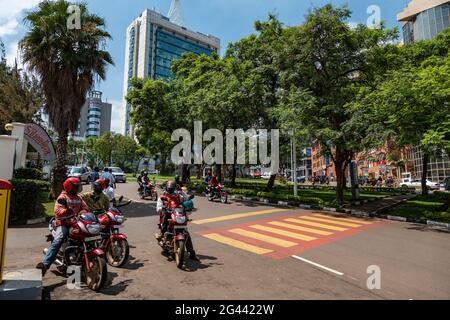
<point>424,19</point>
<point>152,43</point>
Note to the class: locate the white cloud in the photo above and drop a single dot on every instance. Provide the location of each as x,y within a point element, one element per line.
<point>11,12</point>
<point>8,28</point>
<point>117,116</point>
<point>12,53</point>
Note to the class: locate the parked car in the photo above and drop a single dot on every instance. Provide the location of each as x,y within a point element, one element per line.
<point>416,183</point>
<point>255,175</point>
<point>119,174</point>
<point>301,179</point>
<point>153,171</point>
<point>265,175</point>
<point>82,173</point>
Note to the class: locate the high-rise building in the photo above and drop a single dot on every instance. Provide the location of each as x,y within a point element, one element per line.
<point>95,118</point>
<point>153,41</point>
<point>423,19</point>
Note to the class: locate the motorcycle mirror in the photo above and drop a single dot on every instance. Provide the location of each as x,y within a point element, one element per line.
<point>62,202</point>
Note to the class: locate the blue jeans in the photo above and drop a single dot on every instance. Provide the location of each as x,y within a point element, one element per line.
<point>61,234</point>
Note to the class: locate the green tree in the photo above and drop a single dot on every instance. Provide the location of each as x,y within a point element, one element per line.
<point>414,104</point>
<point>125,150</point>
<point>104,148</point>
<point>324,66</point>
<point>66,62</point>
<point>20,93</point>
<point>153,116</point>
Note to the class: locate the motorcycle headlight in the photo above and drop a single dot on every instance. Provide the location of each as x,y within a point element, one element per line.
<point>119,219</point>
<point>93,228</point>
<point>180,219</point>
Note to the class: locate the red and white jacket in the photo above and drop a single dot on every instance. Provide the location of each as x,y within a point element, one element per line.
<point>74,202</point>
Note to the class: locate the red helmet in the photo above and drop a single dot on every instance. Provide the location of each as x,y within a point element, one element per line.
<point>72,185</point>
<point>102,182</point>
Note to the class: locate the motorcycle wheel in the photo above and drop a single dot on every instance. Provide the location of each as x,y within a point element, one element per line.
<point>179,253</point>
<point>224,198</point>
<point>117,253</point>
<point>95,280</point>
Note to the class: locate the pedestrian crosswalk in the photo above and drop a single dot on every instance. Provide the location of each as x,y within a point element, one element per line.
<point>282,237</point>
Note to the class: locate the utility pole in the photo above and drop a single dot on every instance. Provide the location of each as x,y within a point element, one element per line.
<point>294,161</point>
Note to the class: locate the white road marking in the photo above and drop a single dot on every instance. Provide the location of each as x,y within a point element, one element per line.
<point>318,265</point>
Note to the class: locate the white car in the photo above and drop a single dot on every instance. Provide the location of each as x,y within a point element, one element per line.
<point>265,175</point>
<point>417,183</point>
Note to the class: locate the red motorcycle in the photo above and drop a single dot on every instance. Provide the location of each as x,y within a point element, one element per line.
<point>81,248</point>
<point>177,234</point>
<point>217,193</point>
<point>113,242</point>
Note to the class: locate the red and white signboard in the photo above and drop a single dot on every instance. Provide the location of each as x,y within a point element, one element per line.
<point>39,139</point>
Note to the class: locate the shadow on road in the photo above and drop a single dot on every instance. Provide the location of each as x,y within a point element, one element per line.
<point>134,264</point>
<point>47,290</point>
<point>139,210</point>
<point>114,290</point>
<point>191,266</point>
<point>427,228</point>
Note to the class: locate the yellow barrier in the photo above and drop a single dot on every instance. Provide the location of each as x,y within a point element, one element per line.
<point>5,198</point>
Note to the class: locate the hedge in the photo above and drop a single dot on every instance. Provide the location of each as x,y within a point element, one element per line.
<point>28,173</point>
<point>26,199</point>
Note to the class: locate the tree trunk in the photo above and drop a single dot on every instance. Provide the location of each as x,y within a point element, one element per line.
<point>233,175</point>
<point>425,160</point>
<point>340,181</point>
<point>59,171</point>
<point>185,172</point>
<point>163,164</point>
<point>271,183</point>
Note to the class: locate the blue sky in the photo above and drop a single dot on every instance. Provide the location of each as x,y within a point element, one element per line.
<point>229,20</point>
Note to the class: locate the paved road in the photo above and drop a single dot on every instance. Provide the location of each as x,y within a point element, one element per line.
<point>261,252</point>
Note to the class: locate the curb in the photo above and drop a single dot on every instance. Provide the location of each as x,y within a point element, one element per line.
<point>36,221</point>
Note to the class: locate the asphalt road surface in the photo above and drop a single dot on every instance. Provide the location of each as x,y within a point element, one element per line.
<point>250,251</point>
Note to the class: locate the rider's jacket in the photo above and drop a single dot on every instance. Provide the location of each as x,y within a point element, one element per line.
<point>175,199</point>
<point>95,201</point>
<point>74,202</point>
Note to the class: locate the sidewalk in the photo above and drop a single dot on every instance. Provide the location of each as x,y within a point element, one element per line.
<point>378,206</point>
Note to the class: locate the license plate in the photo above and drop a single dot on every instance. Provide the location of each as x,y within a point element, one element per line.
<point>118,226</point>
<point>93,238</point>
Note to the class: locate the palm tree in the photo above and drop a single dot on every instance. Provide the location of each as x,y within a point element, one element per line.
<point>66,61</point>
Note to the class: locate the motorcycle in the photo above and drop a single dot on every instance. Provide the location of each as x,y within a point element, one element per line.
<point>177,235</point>
<point>218,193</point>
<point>149,192</point>
<point>81,248</point>
<point>113,242</point>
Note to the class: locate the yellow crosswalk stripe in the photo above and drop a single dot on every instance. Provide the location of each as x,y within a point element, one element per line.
<point>300,228</point>
<point>315,224</point>
<point>264,238</point>
<point>342,219</point>
<point>346,224</point>
<point>289,234</point>
<point>237,216</point>
<point>237,244</point>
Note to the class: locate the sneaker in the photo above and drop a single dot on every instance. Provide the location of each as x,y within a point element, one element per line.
<point>43,268</point>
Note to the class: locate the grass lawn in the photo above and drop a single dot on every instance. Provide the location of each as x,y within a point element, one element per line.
<point>423,208</point>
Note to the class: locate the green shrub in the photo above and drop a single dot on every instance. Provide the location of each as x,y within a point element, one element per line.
<point>28,173</point>
<point>26,199</point>
<point>440,195</point>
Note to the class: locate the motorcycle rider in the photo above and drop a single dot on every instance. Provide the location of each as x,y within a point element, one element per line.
<point>213,183</point>
<point>171,194</point>
<point>96,199</point>
<point>68,204</point>
<point>145,181</point>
